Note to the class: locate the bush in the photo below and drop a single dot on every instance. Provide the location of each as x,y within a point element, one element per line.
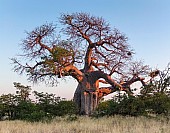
<point>66,108</point>
<point>37,116</point>
<point>133,106</point>
<point>29,111</point>
<point>127,106</point>
<point>108,108</point>
<point>158,103</point>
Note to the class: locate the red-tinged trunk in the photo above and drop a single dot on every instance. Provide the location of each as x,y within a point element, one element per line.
<point>86,101</point>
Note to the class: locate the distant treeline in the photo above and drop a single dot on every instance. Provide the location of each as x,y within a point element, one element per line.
<point>47,106</point>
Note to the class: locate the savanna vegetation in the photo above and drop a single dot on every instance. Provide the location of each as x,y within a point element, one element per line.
<point>45,106</point>
<point>86,48</point>
<point>99,58</point>
<point>115,124</point>
<point>153,101</point>
<point>148,112</point>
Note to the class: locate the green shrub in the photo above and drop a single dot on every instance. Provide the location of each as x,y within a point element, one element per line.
<point>106,108</point>
<point>29,111</point>
<point>37,116</point>
<point>66,108</point>
<point>133,106</point>
<point>158,103</point>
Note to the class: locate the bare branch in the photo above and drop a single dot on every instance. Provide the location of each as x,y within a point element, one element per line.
<point>34,44</point>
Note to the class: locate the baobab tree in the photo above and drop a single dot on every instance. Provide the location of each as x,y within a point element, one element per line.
<point>85,48</point>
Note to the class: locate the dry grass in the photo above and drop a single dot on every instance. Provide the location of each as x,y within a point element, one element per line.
<point>115,124</point>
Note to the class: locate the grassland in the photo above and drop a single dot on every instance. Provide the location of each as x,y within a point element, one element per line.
<point>116,124</point>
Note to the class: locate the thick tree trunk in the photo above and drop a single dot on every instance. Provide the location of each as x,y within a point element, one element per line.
<point>88,93</point>
<point>86,101</point>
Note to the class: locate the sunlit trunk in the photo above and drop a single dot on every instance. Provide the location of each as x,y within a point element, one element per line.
<point>86,101</point>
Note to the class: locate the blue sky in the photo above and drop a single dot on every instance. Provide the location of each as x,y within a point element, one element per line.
<point>145,22</point>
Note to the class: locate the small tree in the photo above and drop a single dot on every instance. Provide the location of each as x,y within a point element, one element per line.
<point>22,92</point>
<point>7,105</point>
<point>92,53</point>
<point>160,84</point>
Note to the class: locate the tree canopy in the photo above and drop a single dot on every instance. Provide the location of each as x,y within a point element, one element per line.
<point>90,45</point>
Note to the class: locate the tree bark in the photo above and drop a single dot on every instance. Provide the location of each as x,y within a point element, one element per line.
<point>86,101</point>
<point>88,93</point>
